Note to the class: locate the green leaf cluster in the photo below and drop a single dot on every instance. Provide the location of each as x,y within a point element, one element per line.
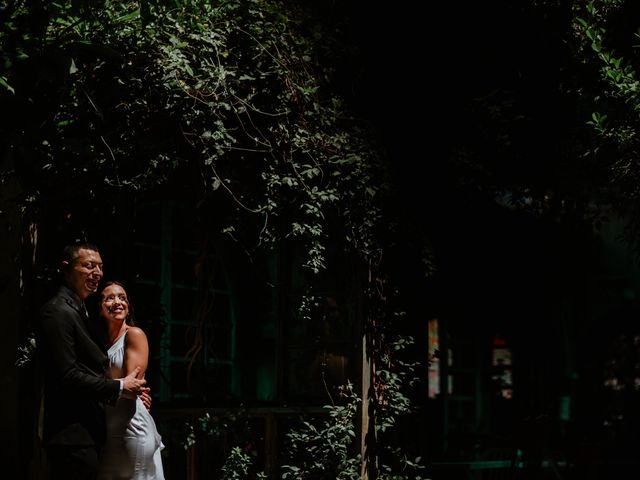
<point>238,92</point>
<point>102,99</point>
<point>615,97</point>
<point>238,466</point>
<point>325,449</point>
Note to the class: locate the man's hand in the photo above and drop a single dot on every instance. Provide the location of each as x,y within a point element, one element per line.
<point>145,396</point>
<point>132,385</point>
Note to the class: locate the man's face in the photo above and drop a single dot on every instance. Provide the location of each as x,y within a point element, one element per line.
<point>85,273</point>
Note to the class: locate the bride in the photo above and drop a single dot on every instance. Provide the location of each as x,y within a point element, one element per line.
<point>132,448</point>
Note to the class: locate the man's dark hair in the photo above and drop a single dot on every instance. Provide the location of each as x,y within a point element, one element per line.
<point>70,252</point>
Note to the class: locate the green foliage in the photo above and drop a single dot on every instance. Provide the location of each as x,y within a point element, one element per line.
<point>617,74</point>
<point>325,450</point>
<point>224,444</point>
<point>237,466</point>
<point>114,98</point>
<point>616,102</point>
<point>570,155</point>
<point>218,427</point>
<point>394,379</point>
<point>317,449</point>
<point>328,449</point>
<point>26,351</point>
<point>239,92</point>
<point>393,376</point>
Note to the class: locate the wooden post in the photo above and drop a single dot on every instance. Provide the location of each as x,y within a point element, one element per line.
<point>365,420</point>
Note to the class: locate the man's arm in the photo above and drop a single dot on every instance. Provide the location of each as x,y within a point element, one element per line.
<point>58,333</point>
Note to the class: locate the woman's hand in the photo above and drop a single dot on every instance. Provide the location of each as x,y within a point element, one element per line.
<point>145,396</point>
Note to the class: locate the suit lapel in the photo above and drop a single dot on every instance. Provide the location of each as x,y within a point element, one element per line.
<point>74,302</point>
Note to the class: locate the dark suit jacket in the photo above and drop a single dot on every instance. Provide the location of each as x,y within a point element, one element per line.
<point>75,383</point>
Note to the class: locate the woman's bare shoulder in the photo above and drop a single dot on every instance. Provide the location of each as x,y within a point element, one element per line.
<point>136,334</point>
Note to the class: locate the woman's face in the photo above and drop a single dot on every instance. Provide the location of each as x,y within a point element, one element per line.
<point>114,304</point>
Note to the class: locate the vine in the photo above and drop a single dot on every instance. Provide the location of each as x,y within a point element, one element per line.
<point>237,92</point>
<point>616,104</point>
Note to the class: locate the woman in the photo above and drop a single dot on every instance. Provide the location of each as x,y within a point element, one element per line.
<point>132,448</point>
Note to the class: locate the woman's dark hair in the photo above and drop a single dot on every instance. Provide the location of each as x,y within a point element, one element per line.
<point>99,329</point>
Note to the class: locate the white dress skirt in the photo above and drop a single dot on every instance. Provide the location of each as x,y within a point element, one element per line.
<point>133,444</point>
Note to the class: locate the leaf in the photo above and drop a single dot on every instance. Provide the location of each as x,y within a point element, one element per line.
<point>129,16</point>
<point>3,82</point>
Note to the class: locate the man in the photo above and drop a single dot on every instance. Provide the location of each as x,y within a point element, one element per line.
<point>75,383</point>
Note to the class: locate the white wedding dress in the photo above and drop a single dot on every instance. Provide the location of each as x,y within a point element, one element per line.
<point>133,444</point>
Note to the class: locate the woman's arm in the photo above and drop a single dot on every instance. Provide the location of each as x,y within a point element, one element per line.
<point>136,352</point>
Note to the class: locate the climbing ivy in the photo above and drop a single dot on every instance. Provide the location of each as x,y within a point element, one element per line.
<point>114,98</point>
<point>615,100</point>
<point>239,91</point>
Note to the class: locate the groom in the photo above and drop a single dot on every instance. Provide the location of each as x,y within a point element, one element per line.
<point>74,366</point>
